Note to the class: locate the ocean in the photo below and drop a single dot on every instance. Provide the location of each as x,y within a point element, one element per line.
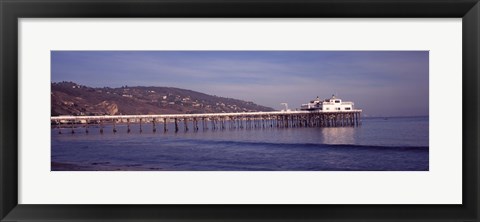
<point>379,144</point>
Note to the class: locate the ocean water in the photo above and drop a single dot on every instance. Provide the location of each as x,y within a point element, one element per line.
<point>379,144</point>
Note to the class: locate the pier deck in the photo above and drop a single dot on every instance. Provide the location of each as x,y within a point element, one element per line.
<point>222,120</point>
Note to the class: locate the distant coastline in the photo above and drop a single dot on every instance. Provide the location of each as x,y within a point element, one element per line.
<point>380,117</point>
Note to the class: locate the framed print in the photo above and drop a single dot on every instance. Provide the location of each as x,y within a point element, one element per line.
<point>282,110</point>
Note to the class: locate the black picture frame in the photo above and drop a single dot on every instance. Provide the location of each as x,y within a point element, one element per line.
<point>11,11</point>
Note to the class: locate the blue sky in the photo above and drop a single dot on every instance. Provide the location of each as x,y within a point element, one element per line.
<point>382,83</point>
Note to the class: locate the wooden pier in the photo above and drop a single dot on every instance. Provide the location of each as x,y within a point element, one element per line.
<point>214,121</point>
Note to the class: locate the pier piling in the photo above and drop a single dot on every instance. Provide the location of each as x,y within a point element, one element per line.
<point>176,125</point>
<point>154,128</point>
<point>165,125</point>
<point>220,121</point>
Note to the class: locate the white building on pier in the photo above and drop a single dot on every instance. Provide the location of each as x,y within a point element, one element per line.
<point>327,105</point>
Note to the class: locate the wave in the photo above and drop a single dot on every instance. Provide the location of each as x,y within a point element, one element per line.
<point>307,145</point>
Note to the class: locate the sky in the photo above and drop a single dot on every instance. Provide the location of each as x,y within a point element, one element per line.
<point>381,83</point>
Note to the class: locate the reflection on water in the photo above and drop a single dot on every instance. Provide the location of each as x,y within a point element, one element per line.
<point>341,135</point>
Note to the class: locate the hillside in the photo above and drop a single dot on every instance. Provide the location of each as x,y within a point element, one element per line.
<point>69,98</point>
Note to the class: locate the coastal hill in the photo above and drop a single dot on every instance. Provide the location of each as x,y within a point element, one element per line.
<point>69,98</point>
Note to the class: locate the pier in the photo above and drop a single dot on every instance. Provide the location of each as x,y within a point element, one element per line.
<point>215,121</point>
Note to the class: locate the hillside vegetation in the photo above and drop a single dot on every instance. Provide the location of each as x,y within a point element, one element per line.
<point>68,98</point>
